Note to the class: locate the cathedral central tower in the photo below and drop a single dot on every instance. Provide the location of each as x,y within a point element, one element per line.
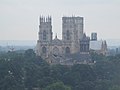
<point>72,32</point>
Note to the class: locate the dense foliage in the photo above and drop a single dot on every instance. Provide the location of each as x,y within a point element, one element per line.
<point>25,71</point>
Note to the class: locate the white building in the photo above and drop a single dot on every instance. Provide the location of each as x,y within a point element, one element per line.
<point>99,46</point>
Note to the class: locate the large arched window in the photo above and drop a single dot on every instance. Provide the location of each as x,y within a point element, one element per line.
<point>44,50</point>
<point>68,35</point>
<point>55,51</point>
<point>44,35</point>
<point>67,50</point>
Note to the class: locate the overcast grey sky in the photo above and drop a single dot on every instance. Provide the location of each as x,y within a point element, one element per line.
<point>19,19</point>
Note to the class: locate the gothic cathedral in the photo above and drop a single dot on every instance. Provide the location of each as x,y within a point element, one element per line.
<point>73,38</point>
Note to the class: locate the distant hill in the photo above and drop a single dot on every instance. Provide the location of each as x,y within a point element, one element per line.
<point>17,42</point>
<point>113,43</point>
<point>110,42</point>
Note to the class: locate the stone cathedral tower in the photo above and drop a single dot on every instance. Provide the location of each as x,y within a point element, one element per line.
<point>72,32</point>
<point>45,36</point>
<point>45,29</point>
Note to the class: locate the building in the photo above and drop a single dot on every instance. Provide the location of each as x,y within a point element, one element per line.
<point>74,41</point>
<point>99,47</point>
<point>94,36</point>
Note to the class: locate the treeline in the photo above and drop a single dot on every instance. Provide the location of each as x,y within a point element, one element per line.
<point>25,71</point>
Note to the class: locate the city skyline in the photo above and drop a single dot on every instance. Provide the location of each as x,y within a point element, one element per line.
<point>19,20</point>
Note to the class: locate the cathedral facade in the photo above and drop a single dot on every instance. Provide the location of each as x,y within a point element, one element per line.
<point>73,40</point>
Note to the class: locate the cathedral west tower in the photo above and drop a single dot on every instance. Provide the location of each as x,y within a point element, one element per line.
<point>45,36</point>
<point>45,29</point>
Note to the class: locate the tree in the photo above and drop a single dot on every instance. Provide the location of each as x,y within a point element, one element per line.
<point>11,72</point>
<point>115,87</point>
<point>29,53</point>
<point>57,86</point>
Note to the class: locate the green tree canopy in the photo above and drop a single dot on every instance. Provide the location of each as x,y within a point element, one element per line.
<point>57,86</point>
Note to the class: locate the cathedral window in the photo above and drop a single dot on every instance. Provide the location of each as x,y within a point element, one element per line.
<point>44,50</point>
<point>68,35</point>
<point>67,50</point>
<point>55,51</point>
<point>44,35</point>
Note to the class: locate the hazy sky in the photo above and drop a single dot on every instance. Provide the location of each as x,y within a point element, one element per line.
<point>19,19</point>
